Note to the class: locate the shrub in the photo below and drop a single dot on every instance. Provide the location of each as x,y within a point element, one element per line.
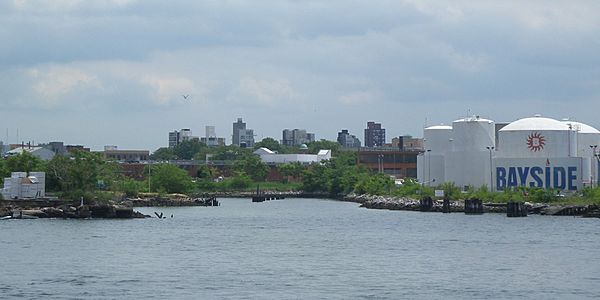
<point>131,187</point>
<point>240,181</point>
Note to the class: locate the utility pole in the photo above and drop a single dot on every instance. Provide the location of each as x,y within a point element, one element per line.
<point>594,155</point>
<point>490,148</point>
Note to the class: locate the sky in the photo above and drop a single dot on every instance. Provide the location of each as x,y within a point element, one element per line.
<point>113,72</point>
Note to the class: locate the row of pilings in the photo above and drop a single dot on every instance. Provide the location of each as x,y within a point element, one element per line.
<point>475,206</point>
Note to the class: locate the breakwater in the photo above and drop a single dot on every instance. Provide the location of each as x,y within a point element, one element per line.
<point>410,204</point>
<point>62,210</point>
<point>160,202</point>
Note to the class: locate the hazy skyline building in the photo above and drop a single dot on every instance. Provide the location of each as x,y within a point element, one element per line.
<point>347,140</point>
<point>177,137</point>
<point>374,135</point>
<point>296,137</point>
<point>242,136</point>
<point>408,143</point>
<point>210,139</point>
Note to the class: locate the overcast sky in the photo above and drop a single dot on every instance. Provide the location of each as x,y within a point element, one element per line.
<point>113,72</point>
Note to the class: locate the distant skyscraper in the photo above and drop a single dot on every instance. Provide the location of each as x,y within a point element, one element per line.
<point>348,140</point>
<point>211,138</point>
<point>237,126</point>
<point>241,136</point>
<point>407,143</point>
<point>374,135</point>
<point>210,131</point>
<point>176,137</point>
<point>297,137</point>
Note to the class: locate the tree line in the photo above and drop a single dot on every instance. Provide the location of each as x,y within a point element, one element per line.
<point>89,175</point>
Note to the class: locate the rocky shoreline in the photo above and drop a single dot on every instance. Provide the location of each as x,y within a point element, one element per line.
<point>68,211</point>
<point>124,209</point>
<point>409,204</point>
<point>163,202</point>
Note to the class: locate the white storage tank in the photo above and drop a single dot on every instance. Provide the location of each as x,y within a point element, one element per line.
<point>473,134</point>
<point>586,136</point>
<point>437,139</point>
<point>537,137</point>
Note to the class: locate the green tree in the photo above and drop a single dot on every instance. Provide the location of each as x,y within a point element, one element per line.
<point>164,153</point>
<point>315,146</point>
<point>229,153</point>
<point>314,179</point>
<point>205,173</point>
<point>81,172</point>
<point>188,149</point>
<point>269,143</point>
<point>87,169</point>
<point>253,167</point>
<point>375,184</point>
<point>170,178</point>
<point>293,169</point>
<point>346,158</point>
<point>4,171</point>
<point>24,162</point>
<point>131,187</point>
<point>58,173</point>
<point>240,181</point>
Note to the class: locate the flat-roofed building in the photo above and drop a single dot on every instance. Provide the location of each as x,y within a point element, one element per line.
<point>374,135</point>
<point>391,161</point>
<point>296,137</point>
<point>126,155</point>
<point>348,140</point>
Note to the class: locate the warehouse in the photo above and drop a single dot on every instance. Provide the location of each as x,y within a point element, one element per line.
<point>533,152</point>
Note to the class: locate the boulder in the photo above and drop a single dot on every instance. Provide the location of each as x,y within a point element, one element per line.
<point>34,212</point>
<point>123,212</point>
<point>103,211</point>
<point>53,212</point>
<point>5,211</point>
<point>84,212</point>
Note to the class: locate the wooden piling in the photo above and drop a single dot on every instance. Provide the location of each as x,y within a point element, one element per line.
<point>446,205</point>
<point>426,204</point>
<point>516,209</point>
<point>473,207</point>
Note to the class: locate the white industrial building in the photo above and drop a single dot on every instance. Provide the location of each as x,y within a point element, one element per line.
<point>269,157</point>
<point>533,152</point>
<point>40,152</point>
<point>22,186</point>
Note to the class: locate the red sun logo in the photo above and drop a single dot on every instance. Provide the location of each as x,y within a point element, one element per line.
<point>535,142</point>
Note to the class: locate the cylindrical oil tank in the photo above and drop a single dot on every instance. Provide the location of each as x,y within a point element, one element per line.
<point>437,139</point>
<point>586,136</point>
<point>473,134</point>
<point>537,137</point>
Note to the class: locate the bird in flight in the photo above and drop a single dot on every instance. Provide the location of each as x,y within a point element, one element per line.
<point>185,96</point>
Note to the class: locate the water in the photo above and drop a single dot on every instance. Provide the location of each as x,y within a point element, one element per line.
<point>301,249</point>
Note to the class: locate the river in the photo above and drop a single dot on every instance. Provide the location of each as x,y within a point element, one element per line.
<point>301,249</point>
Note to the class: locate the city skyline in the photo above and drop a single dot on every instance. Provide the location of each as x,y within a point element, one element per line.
<point>125,72</point>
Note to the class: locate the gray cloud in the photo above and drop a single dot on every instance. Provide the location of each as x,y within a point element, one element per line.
<point>323,66</point>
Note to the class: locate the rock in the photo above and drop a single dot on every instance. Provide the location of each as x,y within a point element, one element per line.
<point>34,212</point>
<point>103,211</point>
<point>5,211</point>
<point>52,212</point>
<point>84,212</point>
<point>123,212</point>
<point>139,215</point>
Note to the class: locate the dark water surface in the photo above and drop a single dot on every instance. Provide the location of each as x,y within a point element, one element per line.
<point>301,249</point>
